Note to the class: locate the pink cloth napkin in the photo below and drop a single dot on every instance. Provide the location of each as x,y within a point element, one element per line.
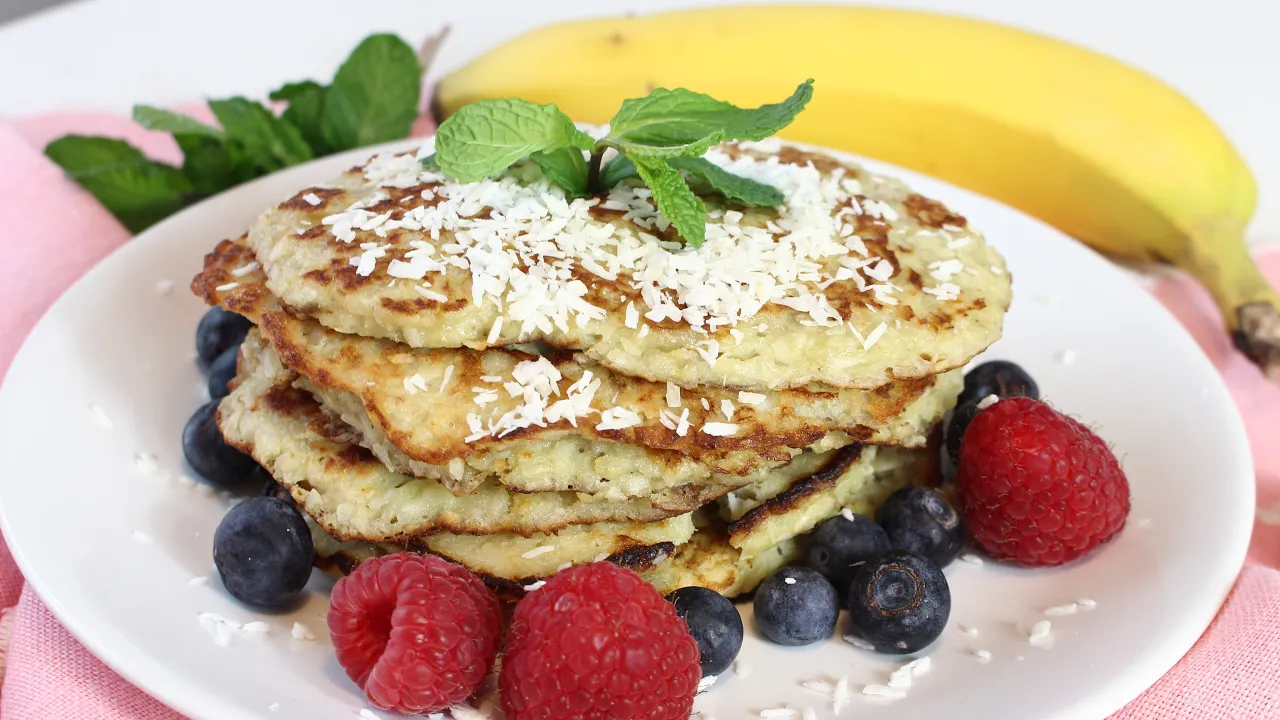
<point>1231,674</point>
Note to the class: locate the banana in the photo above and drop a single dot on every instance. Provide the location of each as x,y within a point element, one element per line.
<point>1085,143</point>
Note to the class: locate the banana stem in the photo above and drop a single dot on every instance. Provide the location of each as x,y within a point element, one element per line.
<point>1249,304</point>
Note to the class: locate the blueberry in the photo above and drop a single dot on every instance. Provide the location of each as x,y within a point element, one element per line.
<point>263,552</point>
<point>260,482</point>
<point>796,606</point>
<point>209,454</point>
<point>899,602</point>
<point>839,544</point>
<point>920,520</point>
<point>219,331</point>
<point>1000,378</point>
<point>714,623</point>
<point>957,426</point>
<point>221,372</point>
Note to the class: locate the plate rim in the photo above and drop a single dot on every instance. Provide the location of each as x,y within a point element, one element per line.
<point>177,692</point>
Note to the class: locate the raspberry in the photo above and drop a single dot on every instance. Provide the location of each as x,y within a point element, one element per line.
<point>597,642</point>
<point>1037,487</point>
<point>417,633</point>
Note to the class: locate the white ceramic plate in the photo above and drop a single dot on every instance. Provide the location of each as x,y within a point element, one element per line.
<point>111,539</point>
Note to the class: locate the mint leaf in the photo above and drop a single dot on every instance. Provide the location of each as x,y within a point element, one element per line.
<point>682,122</point>
<point>674,199</point>
<point>213,165</point>
<point>565,167</point>
<point>486,137</point>
<point>619,168</point>
<point>138,191</point>
<point>305,111</point>
<point>429,162</point>
<point>154,118</point>
<point>79,155</point>
<point>140,195</point>
<point>374,95</point>
<point>269,142</point>
<point>734,187</point>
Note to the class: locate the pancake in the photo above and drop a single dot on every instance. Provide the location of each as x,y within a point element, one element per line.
<point>732,558</point>
<point>355,497</point>
<point>854,282</point>
<point>858,479</point>
<point>463,417</point>
<point>709,561</point>
<point>509,563</point>
<point>709,557</point>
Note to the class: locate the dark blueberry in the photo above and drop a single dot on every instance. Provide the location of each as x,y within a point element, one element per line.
<point>899,602</point>
<point>714,623</point>
<point>209,454</point>
<point>263,552</point>
<point>267,485</point>
<point>1000,378</point>
<point>796,606</point>
<point>221,372</point>
<point>219,331</point>
<point>839,544</point>
<point>957,426</point>
<point>920,520</point>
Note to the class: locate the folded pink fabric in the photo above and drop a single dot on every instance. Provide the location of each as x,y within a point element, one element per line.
<point>1229,675</point>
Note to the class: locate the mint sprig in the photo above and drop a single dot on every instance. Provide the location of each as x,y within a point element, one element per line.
<point>487,137</point>
<point>373,98</point>
<point>683,123</point>
<point>659,138</point>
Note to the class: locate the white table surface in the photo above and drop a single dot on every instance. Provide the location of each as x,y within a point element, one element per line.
<point>110,54</point>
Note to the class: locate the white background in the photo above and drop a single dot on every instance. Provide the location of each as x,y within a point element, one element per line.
<point>112,53</point>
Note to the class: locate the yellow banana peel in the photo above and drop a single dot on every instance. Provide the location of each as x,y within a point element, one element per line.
<point>1087,144</point>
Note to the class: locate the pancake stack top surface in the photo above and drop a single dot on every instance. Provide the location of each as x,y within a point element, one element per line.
<point>516,380</point>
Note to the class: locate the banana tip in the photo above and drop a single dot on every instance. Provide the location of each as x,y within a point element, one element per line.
<point>1258,336</point>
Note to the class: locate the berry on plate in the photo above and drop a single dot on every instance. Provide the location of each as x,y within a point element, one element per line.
<point>715,624</point>
<point>417,633</point>
<point>796,606</point>
<point>1037,487</point>
<point>838,545</point>
<point>263,552</point>
<point>221,372</point>
<point>1001,378</point>
<point>218,332</point>
<point>598,642</point>
<point>899,602</point>
<point>957,425</point>
<point>209,454</point>
<point>920,520</point>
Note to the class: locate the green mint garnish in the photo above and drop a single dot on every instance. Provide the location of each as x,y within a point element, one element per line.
<point>374,95</point>
<point>154,118</point>
<point>138,191</point>
<point>714,177</point>
<point>269,141</point>
<point>675,199</point>
<point>487,137</point>
<point>373,98</point>
<point>616,170</point>
<point>734,187</point>
<point>305,111</point>
<point>682,123</point>
<point>659,138</point>
<point>565,167</point>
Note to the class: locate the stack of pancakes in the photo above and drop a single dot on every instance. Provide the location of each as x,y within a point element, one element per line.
<point>519,381</point>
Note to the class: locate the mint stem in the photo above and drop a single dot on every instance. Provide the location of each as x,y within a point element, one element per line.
<point>593,171</point>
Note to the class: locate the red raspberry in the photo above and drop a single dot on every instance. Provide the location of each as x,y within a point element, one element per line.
<point>417,633</point>
<point>597,642</point>
<point>1037,487</point>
